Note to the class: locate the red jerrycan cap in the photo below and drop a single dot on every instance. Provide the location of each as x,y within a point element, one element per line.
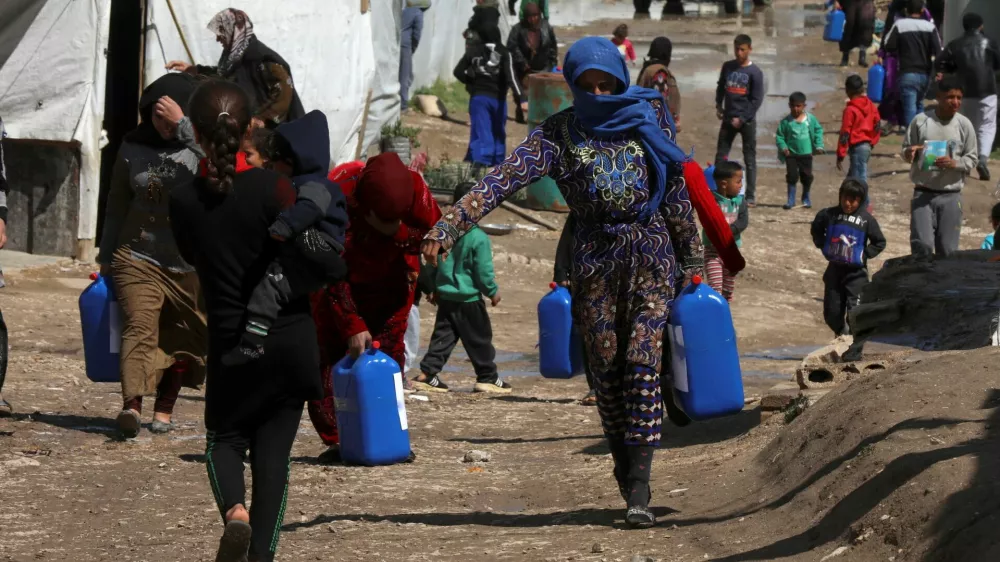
<point>376,345</point>
<point>553,285</point>
<point>696,279</point>
<point>94,276</point>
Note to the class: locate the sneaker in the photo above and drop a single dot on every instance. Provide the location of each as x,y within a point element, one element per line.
<point>640,517</point>
<point>984,171</point>
<point>499,386</point>
<point>129,424</point>
<point>430,384</point>
<point>751,202</point>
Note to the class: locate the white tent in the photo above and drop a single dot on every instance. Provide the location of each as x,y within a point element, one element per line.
<point>52,67</point>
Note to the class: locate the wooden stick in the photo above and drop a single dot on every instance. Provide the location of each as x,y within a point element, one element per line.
<point>526,215</point>
<point>177,24</point>
<point>364,125</point>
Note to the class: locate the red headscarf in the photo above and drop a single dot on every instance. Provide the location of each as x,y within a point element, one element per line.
<point>386,187</point>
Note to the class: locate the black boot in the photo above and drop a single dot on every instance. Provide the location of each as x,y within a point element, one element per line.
<point>863,59</point>
<point>619,452</point>
<point>844,61</point>
<point>639,515</point>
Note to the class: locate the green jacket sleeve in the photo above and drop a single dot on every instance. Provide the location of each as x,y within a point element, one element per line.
<point>816,132</point>
<point>779,138</point>
<point>482,260</point>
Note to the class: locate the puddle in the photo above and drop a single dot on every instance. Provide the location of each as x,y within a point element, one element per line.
<point>769,375</point>
<point>791,353</point>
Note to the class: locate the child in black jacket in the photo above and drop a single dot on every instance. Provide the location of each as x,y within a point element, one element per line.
<point>849,236</point>
<point>315,224</point>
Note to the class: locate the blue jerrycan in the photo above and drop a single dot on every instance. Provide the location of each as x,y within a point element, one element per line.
<point>560,348</point>
<point>834,30</point>
<point>705,361</point>
<point>100,318</point>
<point>371,413</point>
<point>876,82</point>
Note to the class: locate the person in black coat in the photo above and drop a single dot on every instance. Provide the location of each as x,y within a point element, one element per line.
<point>221,223</point>
<point>265,76</point>
<point>5,407</point>
<point>532,47</point>
<point>858,28</point>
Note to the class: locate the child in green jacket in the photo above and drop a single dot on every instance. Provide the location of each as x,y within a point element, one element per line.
<point>461,281</point>
<point>799,136</point>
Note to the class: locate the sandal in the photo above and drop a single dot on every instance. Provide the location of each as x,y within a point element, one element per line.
<point>6,410</point>
<point>161,428</point>
<point>590,399</point>
<point>235,542</point>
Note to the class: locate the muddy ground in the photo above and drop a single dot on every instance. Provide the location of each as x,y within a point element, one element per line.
<point>898,465</point>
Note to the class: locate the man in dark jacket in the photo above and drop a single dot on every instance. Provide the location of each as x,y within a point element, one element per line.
<point>975,59</point>
<point>313,227</point>
<point>915,41</point>
<point>532,47</point>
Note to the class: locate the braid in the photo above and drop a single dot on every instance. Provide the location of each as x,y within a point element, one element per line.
<point>220,114</point>
<point>225,143</point>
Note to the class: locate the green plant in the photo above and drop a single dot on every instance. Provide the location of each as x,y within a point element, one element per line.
<point>397,129</point>
<point>447,174</point>
<point>797,406</point>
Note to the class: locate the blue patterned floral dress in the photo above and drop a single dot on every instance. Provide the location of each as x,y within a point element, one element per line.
<point>623,271</point>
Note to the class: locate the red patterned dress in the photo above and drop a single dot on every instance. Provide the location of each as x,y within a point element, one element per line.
<point>378,293</point>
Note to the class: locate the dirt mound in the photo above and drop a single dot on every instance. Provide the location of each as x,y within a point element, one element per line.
<point>898,465</point>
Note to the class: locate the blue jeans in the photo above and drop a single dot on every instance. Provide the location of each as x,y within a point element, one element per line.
<point>912,87</point>
<point>859,155</point>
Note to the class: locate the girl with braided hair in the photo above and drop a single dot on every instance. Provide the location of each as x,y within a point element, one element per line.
<point>221,225</point>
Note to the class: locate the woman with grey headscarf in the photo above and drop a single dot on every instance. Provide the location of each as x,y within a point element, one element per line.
<point>261,72</point>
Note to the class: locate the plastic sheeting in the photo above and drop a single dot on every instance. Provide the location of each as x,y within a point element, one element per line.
<point>442,45</point>
<point>52,81</point>
<point>332,47</point>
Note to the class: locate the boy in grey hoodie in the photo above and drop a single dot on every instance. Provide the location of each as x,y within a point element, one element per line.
<point>941,145</point>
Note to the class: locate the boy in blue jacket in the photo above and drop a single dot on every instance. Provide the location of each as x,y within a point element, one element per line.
<point>461,281</point>
<point>849,236</point>
<point>316,223</point>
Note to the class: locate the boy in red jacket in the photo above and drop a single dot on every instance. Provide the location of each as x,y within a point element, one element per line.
<point>859,132</point>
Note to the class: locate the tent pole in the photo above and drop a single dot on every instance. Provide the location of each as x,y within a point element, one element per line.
<point>364,125</point>
<point>177,24</point>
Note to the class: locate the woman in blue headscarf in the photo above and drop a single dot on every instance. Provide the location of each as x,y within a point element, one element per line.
<point>614,159</point>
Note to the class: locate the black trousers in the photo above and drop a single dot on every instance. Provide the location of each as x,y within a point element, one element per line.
<point>4,349</point>
<point>842,292</point>
<point>291,276</point>
<point>470,323</point>
<point>269,442</point>
<point>799,168</point>
<point>748,134</point>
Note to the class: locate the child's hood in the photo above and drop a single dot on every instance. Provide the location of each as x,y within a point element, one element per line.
<point>309,139</point>
<point>863,104</point>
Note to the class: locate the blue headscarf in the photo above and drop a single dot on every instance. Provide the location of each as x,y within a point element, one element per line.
<point>626,110</point>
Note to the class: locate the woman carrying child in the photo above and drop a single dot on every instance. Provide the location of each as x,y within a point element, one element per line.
<point>626,184</point>
<point>221,224</point>
<point>656,74</point>
<point>163,332</point>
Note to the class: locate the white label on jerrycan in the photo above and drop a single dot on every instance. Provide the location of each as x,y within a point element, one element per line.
<point>115,324</point>
<point>678,357</point>
<point>400,403</point>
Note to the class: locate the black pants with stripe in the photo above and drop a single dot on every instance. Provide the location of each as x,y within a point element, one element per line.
<point>469,323</point>
<point>269,442</point>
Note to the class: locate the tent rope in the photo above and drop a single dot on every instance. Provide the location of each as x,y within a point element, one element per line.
<point>177,24</point>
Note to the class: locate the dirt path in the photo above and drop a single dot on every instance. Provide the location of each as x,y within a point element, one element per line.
<point>870,457</point>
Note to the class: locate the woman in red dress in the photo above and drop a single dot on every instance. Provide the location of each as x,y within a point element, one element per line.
<point>390,211</point>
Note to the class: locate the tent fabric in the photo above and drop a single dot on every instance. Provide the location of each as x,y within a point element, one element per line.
<point>384,109</point>
<point>332,47</point>
<point>52,81</point>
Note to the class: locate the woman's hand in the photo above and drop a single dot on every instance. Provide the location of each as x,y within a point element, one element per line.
<point>180,66</point>
<point>430,249</point>
<point>168,110</point>
<point>358,343</point>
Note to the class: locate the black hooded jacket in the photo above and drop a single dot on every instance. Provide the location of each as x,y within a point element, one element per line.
<point>975,59</point>
<point>320,202</point>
